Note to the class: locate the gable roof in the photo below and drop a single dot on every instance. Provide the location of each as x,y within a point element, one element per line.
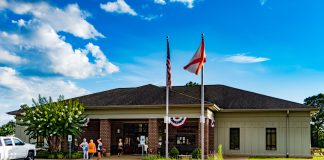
<point>224,97</point>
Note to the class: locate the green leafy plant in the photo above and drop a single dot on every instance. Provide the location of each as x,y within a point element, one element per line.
<point>192,84</point>
<point>42,154</point>
<point>8,129</point>
<point>53,120</point>
<point>196,153</point>
<point>174,152</point>
<point>157,158</point>
<point>60,156</point>
<point>220,152</point>
<point>51,156</point>
<point>76,155</point>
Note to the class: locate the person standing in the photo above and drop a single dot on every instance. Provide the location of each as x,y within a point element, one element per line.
<point>84,146</point>
<point>120,147</point>
<point>92,149</point>
<point>99,149</point>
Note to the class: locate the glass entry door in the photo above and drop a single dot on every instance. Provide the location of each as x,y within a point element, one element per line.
<point>132,133</point>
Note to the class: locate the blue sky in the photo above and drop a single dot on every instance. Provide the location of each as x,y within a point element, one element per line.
<point>77,47</point>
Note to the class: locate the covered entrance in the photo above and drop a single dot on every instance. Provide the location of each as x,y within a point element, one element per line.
<point>132,134</point>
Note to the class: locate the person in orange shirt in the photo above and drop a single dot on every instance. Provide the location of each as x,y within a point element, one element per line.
<point>92,148</point>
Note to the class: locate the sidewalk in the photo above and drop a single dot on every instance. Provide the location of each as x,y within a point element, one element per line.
<point>123,157</point>
<point>133,157</point>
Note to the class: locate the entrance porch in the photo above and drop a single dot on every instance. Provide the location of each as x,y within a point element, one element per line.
<point>186,138</point>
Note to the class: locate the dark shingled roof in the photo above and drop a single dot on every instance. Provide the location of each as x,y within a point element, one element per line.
<point>223,96</point>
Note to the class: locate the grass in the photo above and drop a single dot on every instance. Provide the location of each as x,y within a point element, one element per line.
<point>314,158</point>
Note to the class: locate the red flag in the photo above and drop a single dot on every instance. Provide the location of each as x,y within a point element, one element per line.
<point>196,62</point>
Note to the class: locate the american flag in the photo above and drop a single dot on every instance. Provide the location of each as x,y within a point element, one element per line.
<point>168,65</point>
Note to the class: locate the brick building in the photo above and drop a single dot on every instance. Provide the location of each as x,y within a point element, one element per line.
<point>246,123</point>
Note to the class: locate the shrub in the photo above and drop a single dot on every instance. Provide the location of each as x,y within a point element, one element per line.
<point>60,156</point>
<point>76,155</point>
<point>196,153</point>
<point>156,158</point>
<point>42,154</point>
<point>174,152</point>
<point>51,156</point>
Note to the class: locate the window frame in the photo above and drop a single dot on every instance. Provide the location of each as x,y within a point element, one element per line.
<point>4,141</point>
<point>21,143</point>
<point>270,132</point>
<point>232,145</point>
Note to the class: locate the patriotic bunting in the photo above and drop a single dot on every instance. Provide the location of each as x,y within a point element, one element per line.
<point>178,121</point>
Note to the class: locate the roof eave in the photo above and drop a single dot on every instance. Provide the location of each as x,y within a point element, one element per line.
<point>270,109</point>
<point>150,106</point>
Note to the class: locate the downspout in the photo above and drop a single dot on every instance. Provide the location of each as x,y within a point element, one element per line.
<point>287,134</point>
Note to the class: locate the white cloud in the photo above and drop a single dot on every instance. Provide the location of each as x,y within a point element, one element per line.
<point>16,90</point>
<point>102,64</point>
<point>242,58</point>
<point>3,4</point>
<point>263,2</point>
<point>9,39</point>
<point>20,22</point>
<point>151,17</point>
<point>10,58</point>
<point>161,2</point>
<point>120,6</point>
<point>188,3</point>
<point>70,19</point>
<point>60,56</point>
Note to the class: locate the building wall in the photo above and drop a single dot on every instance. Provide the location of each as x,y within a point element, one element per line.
<point>253,133</point>
<point>19,133</point>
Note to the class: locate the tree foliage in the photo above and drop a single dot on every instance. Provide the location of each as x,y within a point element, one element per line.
<point>317,120</point>
<point>53,120</point>
<point>8,129</point>
<point>191,84</point>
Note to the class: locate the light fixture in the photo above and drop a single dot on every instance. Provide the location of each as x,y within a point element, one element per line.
<point>118,130</point>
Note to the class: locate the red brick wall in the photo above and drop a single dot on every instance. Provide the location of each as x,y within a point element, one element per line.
<point>105,134</point>
<point>92,131</point>
<point>153,135</point>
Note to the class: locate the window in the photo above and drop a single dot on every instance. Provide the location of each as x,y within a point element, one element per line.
<point>18,142</point>
<point>271,138</point>
<point>7,142</point>
<point>234,138</point>
<point>181,140</point>
<point>186,140</point>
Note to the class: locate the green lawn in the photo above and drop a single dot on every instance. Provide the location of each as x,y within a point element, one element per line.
<point>314,158</point>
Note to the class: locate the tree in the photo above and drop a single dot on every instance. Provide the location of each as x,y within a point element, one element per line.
<point>191,84</point>
<point>8,129</point>
<point>317,120</point>
<point>53,120</point>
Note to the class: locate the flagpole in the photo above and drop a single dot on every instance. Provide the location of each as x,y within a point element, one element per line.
<point>202,117</point>
<point>167,114</point>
